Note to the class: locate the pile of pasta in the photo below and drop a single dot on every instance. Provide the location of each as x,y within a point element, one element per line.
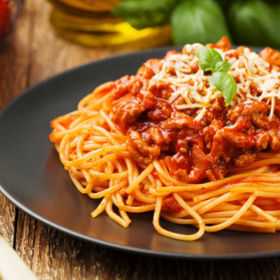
<point>94,152</point>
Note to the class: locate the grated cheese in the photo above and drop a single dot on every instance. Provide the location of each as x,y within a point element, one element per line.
<point>248,70</point>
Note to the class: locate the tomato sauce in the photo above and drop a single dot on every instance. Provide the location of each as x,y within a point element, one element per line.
<point>193,150</point>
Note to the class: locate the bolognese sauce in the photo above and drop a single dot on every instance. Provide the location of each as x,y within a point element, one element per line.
<point>199,138</point>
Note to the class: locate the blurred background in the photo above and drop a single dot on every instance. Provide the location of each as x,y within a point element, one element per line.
<point>140,24</point>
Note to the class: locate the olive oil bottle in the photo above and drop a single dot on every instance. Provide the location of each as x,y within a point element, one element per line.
<point>91,23</point>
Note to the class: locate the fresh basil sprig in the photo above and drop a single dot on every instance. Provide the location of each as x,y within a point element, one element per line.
<point>191,21</point>
<point>211,60</point>
<point>145,13</point>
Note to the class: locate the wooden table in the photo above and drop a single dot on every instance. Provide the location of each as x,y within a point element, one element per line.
<point>30,54</point>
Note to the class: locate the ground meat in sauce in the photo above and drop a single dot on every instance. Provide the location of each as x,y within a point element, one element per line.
<point>192,150</point>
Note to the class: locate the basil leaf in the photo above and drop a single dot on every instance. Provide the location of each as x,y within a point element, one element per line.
<point>200,21</point>
<point>225,83</point>
<point>145,13</point>
<point>208,58</point>
<point>211,60</point>
<point>254,22</point>
<point>222,66</point>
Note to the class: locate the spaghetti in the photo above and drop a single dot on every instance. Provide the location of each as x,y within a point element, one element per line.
<point>164,141</point>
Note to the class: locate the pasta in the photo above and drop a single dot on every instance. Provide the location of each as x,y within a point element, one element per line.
<point>164,141</point>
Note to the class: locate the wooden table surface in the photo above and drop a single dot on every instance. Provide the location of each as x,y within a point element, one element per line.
<point>30,54</point>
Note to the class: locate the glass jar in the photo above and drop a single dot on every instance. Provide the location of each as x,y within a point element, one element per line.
<point>90,23</point>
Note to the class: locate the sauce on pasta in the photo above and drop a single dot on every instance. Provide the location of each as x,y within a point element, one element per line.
<point>163,140</point>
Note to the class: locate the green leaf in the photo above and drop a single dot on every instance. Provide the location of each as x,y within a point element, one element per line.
<point>198,21</point>
<point>208,58</point>
<point>145,13</point>
<point>222,66</point>
<point>211,60</point>
<point>225,83</point>
<point>255,23</point>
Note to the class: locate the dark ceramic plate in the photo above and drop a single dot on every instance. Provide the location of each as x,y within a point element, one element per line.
<point>32,177</point>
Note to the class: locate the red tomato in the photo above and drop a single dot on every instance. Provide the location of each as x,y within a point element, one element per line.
<point>5,18</point>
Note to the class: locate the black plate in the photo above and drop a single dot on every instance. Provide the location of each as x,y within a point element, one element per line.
<point>32,177</point>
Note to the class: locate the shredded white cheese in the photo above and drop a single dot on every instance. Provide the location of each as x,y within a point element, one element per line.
<point>249,70</point>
